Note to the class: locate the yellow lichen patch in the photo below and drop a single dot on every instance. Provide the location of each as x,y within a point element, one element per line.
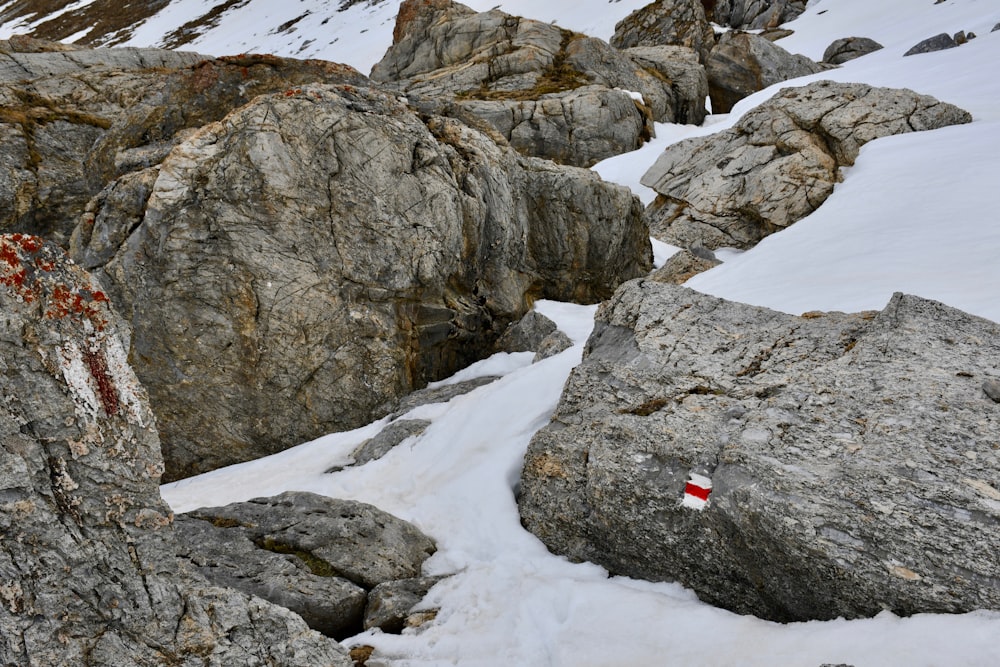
<point>904,573</point>
<point>545,466</point>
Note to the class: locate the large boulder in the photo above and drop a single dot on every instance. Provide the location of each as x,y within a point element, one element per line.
<point>779,162</point>
<point>550,92</point>
<point>667,23</point>
<point>323,251</point>
<point>743,63</point>
<point>788,467</point>
<point>88,568</point>
<point>317,556</point>
<point>72,121</point>
<point>753,14</point>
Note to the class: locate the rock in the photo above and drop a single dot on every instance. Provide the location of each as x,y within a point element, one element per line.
<point>73,121</point>
<point>687,76</point>
<point>788,467</point>
<point>389,604</point>
<point>995,28</point>
<point>849,48</point>
<point>992,389</point>
<point>682,266</point>
<point>88,558</point>
<point>742,63</point>
<point>550,92</point>
<point>392,435</point>
<point>440,394</point>
<point>334,538</point>
<point>526,334</point>
<point>284,284</point>
<point>667,23</point>
<point>786,153</point>
<point>754,14</point>
<point>224,555</point>
<point>936,43</point>
<point>110,217</point>
<point>552,345</point>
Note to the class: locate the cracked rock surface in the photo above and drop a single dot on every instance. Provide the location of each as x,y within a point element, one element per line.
<point>779,162</point>
<point>849,461</point>
<point>88,568</point>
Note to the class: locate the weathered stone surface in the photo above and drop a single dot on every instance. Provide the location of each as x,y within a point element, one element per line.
<point>678,65</point>
<point>552,345</point>
<point>72,121</point>
<point>88,571</point>
<point>526,334</point>
<point>743,63</point>
<point>849,48</point>
<point>992,389</point>
<point>342,538</point>
<point>549,92</point>
<point>838,451</point>
<point>392,435</point>
<point>755,14</point>
<point>931,44</point>
<point>682,266</point>
<point>667,23</point>
<point>780,161</point>
<point>389,604</point>
<point>321,253</point>
<point>440,394</point>
<point>226,556</point>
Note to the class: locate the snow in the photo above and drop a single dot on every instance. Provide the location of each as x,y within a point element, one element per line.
<point>915,214</point>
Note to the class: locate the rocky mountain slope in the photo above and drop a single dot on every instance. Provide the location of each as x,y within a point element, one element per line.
<point>281,248</point>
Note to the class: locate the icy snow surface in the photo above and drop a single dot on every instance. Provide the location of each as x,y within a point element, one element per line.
<point>917,213</point>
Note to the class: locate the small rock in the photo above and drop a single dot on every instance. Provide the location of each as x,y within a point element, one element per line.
<point>996,27</point>
<point>936,43</point>
<point>440,394</point>
<point>960,37</point>
<point>526,334</point>
<point>849,48</point>
<point>553,344</point>
<point>389,437</point>
<point>992,389</point>
<point>389,604</point>
<point>682,266</point>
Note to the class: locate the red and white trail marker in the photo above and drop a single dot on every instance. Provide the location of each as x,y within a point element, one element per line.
<point>696,491</point>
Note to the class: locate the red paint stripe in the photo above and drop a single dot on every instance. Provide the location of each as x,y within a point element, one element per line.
<point>697,491</point>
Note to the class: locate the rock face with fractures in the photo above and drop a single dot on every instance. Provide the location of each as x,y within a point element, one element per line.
<point>88,571</point>
<point>743,63</point>
<point>322,252</point>
<point>753,14</point>
<point>550,92</point>
<point>72,121</point>
<point>779,162</point>
<point>788,467</point>
<point>670,22</point>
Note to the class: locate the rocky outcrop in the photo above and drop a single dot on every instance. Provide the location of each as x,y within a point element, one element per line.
<point>754,14</point>
<point>667,22</point>
<point>74,120</point>
<point>841,51</point>
<point>390,604</point>
<point>743,63</point>
<point>88,571</point>
<point>314,555</point>
<point>684,265</point>
<point>787,467</point>
<point>779,162</point>
<point>550,92</point>
<point>324,251</point>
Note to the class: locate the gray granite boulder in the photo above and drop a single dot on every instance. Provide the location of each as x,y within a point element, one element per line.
<point>314,555</point>
<point>322,252</point>
<point>841,51</point>
<point>89,574</point>
<point>931,44</point>
<point>550,92</point>
<point>779,162</point>
<point>788,467</point>
<point>667,23</point>
<point>754,14</point>
<point>743,63</point>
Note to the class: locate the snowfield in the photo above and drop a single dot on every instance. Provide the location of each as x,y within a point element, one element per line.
<point>917,214</point>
